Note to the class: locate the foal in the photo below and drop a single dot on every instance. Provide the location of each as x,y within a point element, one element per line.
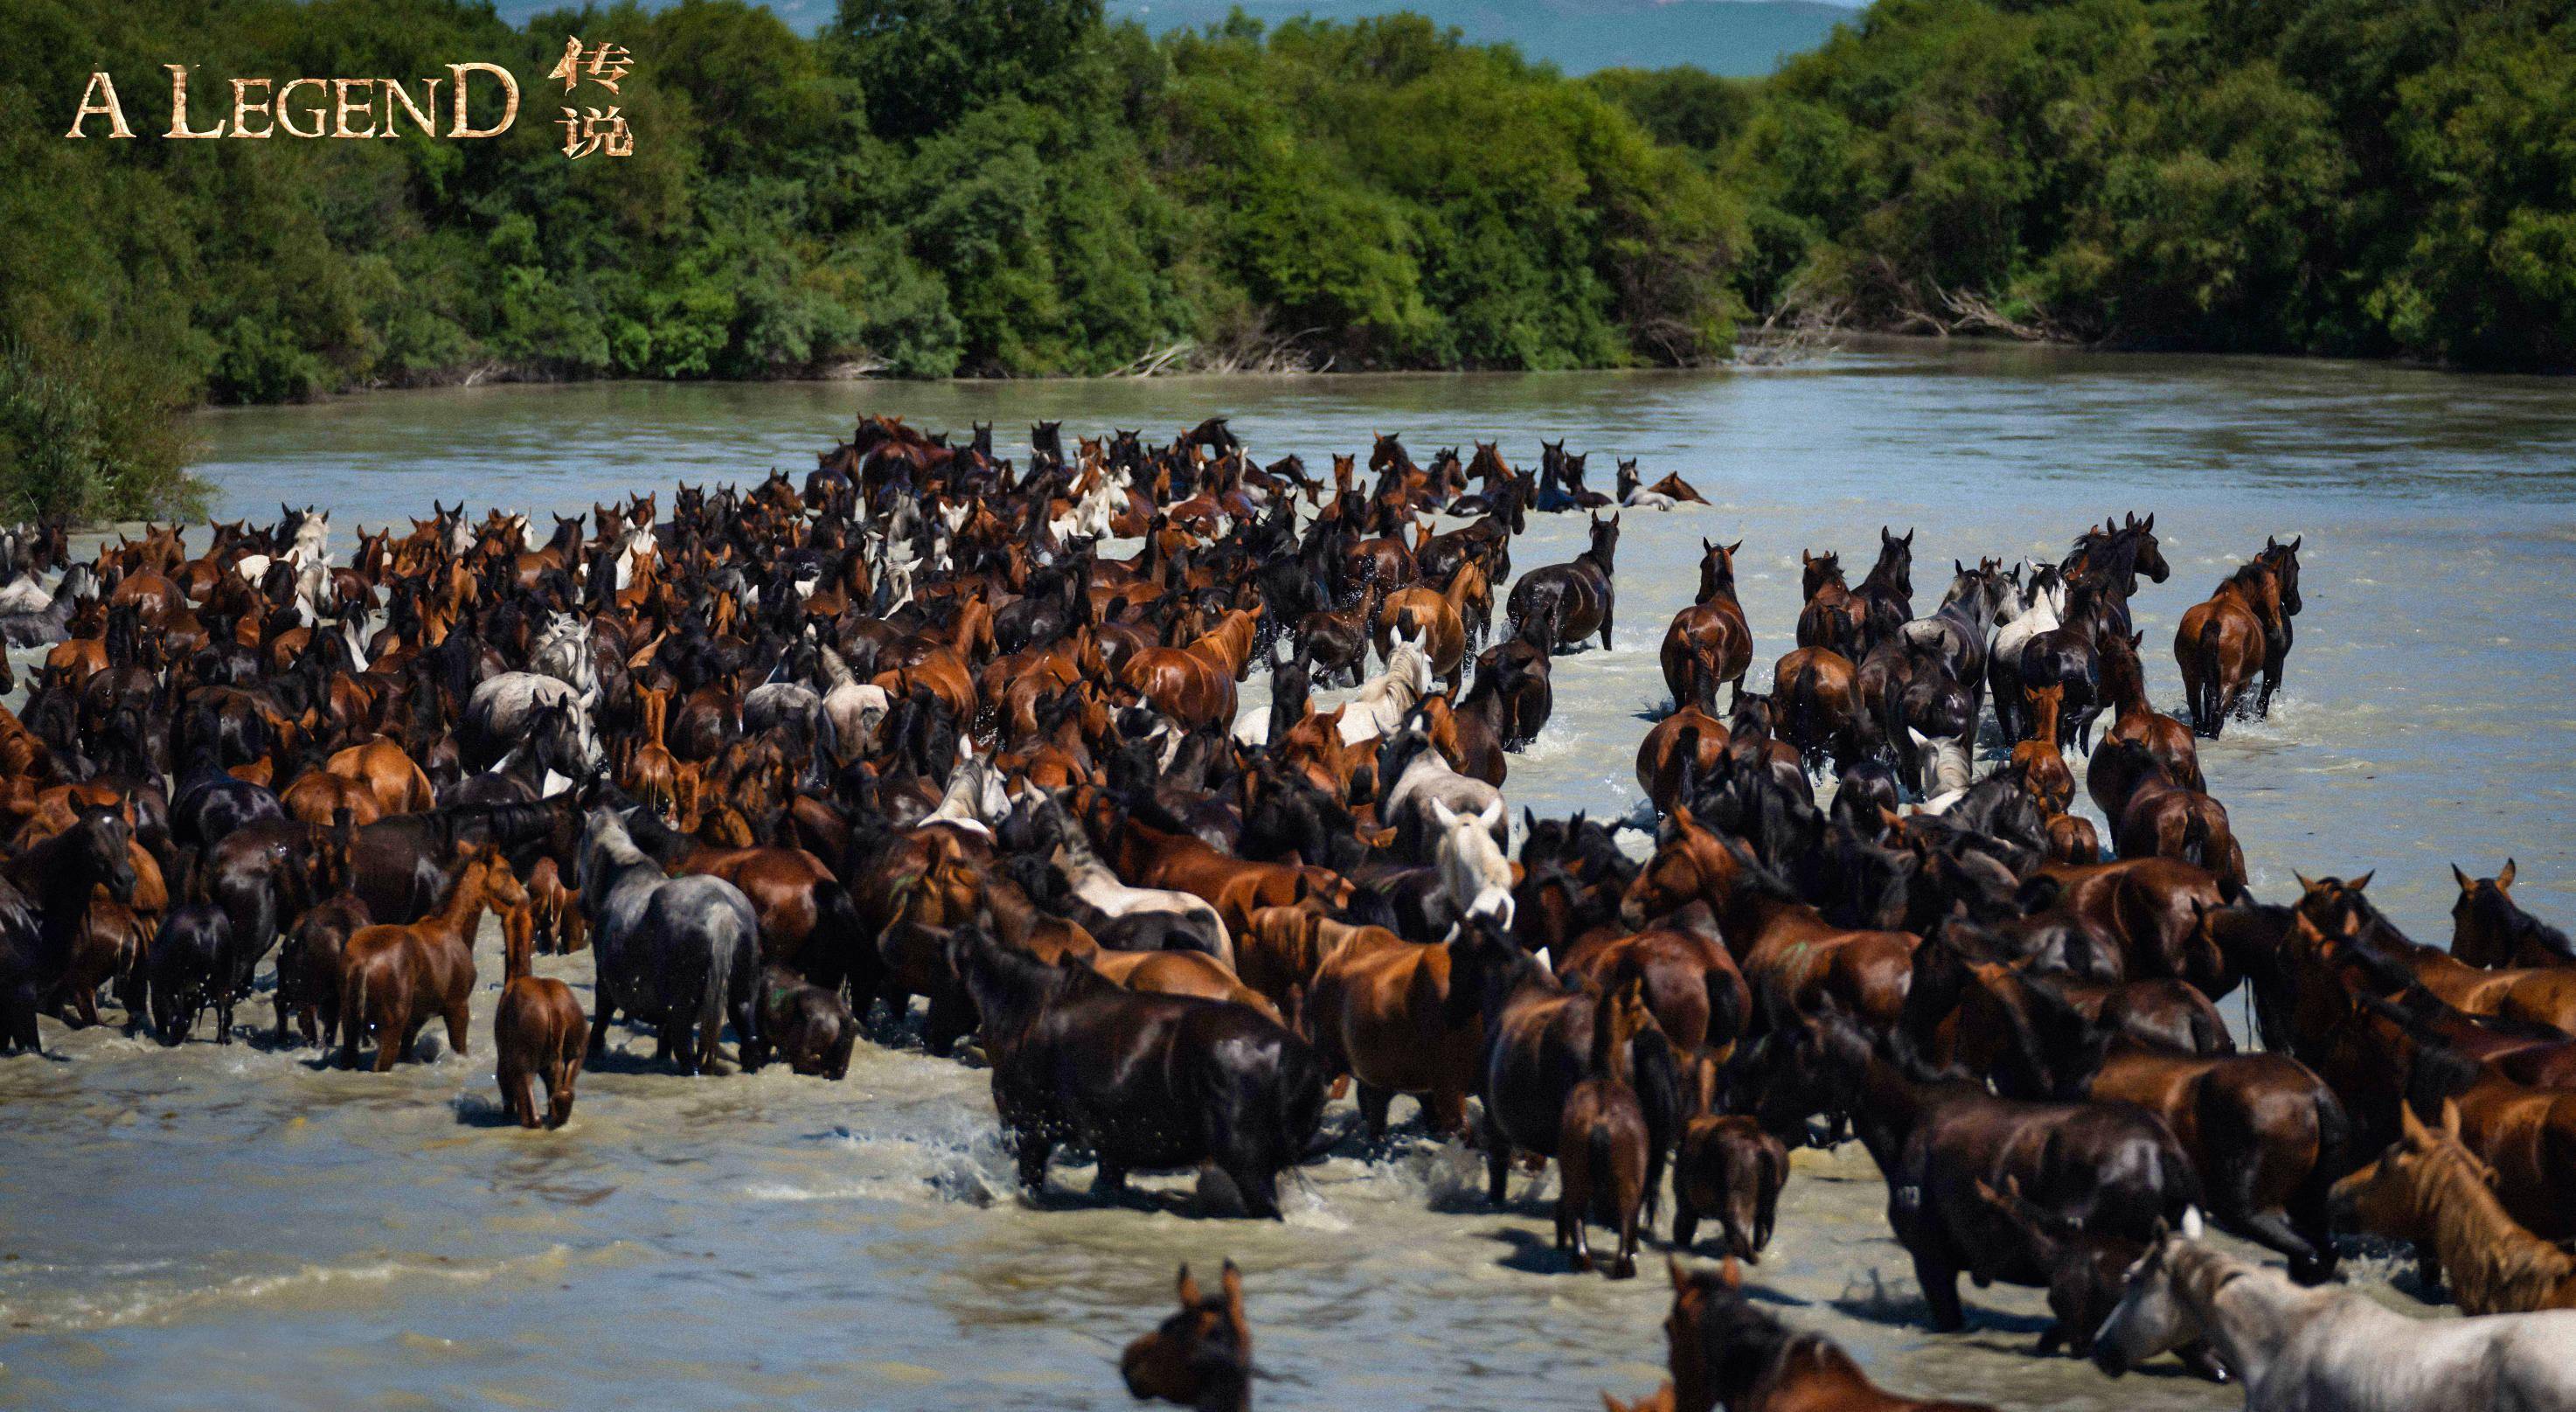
<point>538,1028</point>
<point>1602,1150</point>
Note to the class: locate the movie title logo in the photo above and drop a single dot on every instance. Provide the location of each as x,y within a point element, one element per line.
<point>257,109</point>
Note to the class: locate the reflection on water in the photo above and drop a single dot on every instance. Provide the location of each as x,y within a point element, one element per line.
<point>232,1226</point>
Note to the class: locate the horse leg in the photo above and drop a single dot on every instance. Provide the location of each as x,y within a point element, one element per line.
<point>393,1035</point>
<point>1605,627</point>
<point>1498,1159</point>
<point>1940,1281</point>
<point>1111,1182</point>
<point>1033,1149</point>
<point>601,1013</point>
<point>514,1081</point>
<point>457,1015</point>
<point>1444,1114</point>
<point>1374,1102</point>
<point>1632,1196</point>
<point>1685,1216</point>
<point>224,1015</point>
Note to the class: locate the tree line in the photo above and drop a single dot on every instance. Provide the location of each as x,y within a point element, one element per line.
<point>932,188</point>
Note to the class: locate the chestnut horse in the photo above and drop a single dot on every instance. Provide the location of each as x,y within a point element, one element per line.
<point>395,976</point>
<point>2429,1188</point>
<point>2240,630</point>
<point>1708,642</point>
<point>1194,685</point>
<point>1200,1357</point>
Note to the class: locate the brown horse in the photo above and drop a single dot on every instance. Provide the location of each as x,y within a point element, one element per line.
<point>1194,685</point>
<point>1396,1017</point>
<point>397,784</point>
<point>2241,630</point>
<point>1816,691</point>
<point>1733,1171</point>
<point>538,1029</point>
<point>2488,928</point>
<point>1201,1357</point>
<point>2040,759</point>
<point>1443,617</point>
<point>2428,1187</point>
<point>317,795</point>
<point>1689,738</point>
<point>2163,819</point>
<point>395,976</point>
<point>1833,616</point>
<point>1725,1350</point>
<point>1605,1165</point>
<point>1691,983</point>
<point>2124,686</point>
<point>1708,642</point>
<point>1793,958</point>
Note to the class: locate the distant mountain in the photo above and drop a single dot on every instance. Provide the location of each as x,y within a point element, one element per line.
<point>1737,37</point>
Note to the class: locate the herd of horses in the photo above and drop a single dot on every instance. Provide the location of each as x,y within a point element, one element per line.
<point>785,760</point>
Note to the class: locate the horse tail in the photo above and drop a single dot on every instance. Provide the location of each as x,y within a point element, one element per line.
<point>836,961</point>
<point>1658,1076</point>
<point>2334,1142</point>
<point>1600,1165</point>
<point>711,1003</point>
<point>2208,699</point>
<point>1728,1012</point>
<point>2195,839</point>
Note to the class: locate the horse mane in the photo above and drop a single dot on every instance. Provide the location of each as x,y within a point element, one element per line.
<point>2491,1261</point>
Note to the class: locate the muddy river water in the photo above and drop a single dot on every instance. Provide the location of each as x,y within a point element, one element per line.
<point>233,1227</point>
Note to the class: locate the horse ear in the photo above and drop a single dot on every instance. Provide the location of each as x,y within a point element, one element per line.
<point>2295,541</point>
<point>2412,1129</point>
<point>2462,879</point>
<point>1441,815</point>
<point>2306,884</point>
<point>1739,544</point>
<point>2451,1119</point>
<point>2157,1234</point>
<point>2151,521</point>
<point>1545,962</point>
<point>2504,879</point>
<point>2357,884</point>
<point>1189,1287</point>
<point>1958,568</point>
<point>2192,1229</point>
<point>1232,1283</point>
<point>1492,814</point>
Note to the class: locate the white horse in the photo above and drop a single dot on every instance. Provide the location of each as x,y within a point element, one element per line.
<point>2039,607</point>
<point>2330,1349</point>
<point>853,708</point>
<point>563,651</point>
<point>1096,886</point>
<point>1424,778</point>
<point>1391,696</point>
<point>976,795</point>
<point>1475,877</point>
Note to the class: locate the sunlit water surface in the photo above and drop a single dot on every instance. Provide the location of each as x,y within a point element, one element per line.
<point>234,1227</point>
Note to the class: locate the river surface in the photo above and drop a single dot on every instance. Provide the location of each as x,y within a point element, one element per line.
<point>233,1227</point>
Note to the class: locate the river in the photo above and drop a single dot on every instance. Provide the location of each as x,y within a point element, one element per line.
<point>229,1227</point>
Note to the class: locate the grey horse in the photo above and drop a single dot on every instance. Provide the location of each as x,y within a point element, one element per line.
<point>681,954</point>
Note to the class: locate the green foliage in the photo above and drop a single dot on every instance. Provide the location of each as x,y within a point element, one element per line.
<point>2372,177</point>
<point>1017,187</point>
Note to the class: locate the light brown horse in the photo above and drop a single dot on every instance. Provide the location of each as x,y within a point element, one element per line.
<point>1194,685</point>
<point>396,782</point>
<point>2428,1187</point>
<point>1689,738</point>
<point>1444,618</point>
<point>1816,692</point>
<point>2040,759</point>
<point>1708,642</point>
<point>1396,1018</point>
<point>395,976</point>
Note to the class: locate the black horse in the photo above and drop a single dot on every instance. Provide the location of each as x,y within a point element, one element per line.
<point>1144,1081</point>
<point>1582,590</point>
<point>44,897</point>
